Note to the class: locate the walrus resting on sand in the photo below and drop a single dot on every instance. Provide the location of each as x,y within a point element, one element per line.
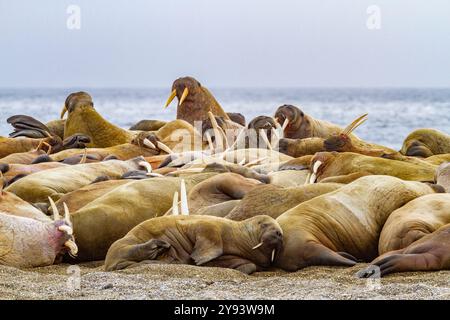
<point>344,225</point>
<point>27,242</point>
<point>425,143</point>
<point>415,237</point>
<point>247,246</point>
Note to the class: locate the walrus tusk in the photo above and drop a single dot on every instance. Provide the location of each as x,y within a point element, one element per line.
<point>308,177</point>
<point>183,196</point>
<point>263,135</point>
<point>251,163</point>
<point>238,137</point>
<point>183,95</point>
<point>257,246</point>
<point>163,147</point>
<point>72,247</point>
<point>273,256</point>
<point>148,143</point>
<point>146,165</point>
<point>175,204</point>
<point>84,157</point>
<point>217,133</point>
<point>274,135</point>
<point>67,214</point>
<point>171,97</point>
<point>63,111</point>
<point>66,229</point>
<point>355,124</point>
<point>210,143</point>
<point>285,124</point>
<point>56,216</point>
<point>49,150</point>
<point>154,174</point>
<point>242,162</point>
<point>316,166</point>
<point>224,136</point>
<point>312,178</point>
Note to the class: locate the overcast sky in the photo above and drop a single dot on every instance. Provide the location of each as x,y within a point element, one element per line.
<point>224,43</point>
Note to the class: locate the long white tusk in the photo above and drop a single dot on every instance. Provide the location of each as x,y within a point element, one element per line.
<point>242,162</point>
<point>275,138</point>
<point>66,229</point>
<point>72,246</point>
<point>148,143</point>
<point>217,133</point>
<point>316,166</point>
<point>238,137</point>
<point>163,147</point>
<point>251,163</point>
<point>263,135</point>
<point>175,204</point>
<point>285,124</point>
<point>257,246</point>
<point>307,178</point>
<point>183,96</point>
<point>210,143</point>
<point>183,196</point>
<point>146,165</point>
<point>154,174</point>
<point>273,255</point>
<point>169,100</point>
<point>312,178</point>
<point>56,216</point>
<point>67,214</point>
<point>224,136</point>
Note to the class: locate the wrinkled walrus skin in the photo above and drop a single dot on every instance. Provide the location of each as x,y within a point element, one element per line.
<point>341,226</point>
<point>199,240</point>
<point>106,219</point>
<point>54,183</point>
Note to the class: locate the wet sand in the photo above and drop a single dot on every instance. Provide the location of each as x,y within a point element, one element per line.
<point>190,282</point>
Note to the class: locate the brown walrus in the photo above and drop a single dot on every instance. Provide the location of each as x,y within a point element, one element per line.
<point>345,167</point>
<point>300,125</point>
<point>56,182</point>
<point>443,176</point>
<point>12,171</point>
<point>247,246</point>
<point>425,143</point>
<point>342,226</point>
<point>415,237</point>
<point>194,101</point>
<point>273,200</point>
<point>108,218</point>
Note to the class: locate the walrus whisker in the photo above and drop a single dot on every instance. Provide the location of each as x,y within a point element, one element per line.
<point>183,95</point>
<point>263,135</point>
<point>257,246</point>
<point>163,147</point>
<point>56,216</point>
<point>171,97</point>
<point>175,204</point>
<point>148,143</point>
<point>183,196</point>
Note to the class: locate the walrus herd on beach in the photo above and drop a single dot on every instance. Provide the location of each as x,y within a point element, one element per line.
<point>282,191</point>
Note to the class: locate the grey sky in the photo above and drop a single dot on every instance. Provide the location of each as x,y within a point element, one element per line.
<point>250,43</point>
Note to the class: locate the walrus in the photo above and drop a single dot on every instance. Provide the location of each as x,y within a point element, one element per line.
<point>26,242</point>
<point>194,101</point>
<point>345,167</point>
<point>148,125</point>
<point>247,246</point>
<point>11,146</point>
<point>415,237</point>
<point>108,218</point>
<point>56,182</point>
<point>425,143</point>
<point>300,147</point>
<point>443,176</point>
<point>218,189</point>
<point>273,200</point>
<point>302,126</point>
<point>343,226</point>
<point>10,171</point>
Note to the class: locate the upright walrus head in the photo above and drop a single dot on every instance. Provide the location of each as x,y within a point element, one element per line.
<point>194,101</point>
<point>76,100</point>
<point>295,124</point>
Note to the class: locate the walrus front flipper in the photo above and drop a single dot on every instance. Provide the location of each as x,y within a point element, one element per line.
<point>26,126</point>
<point>208,241</point>
<point>430,253</point>
<point>233,262</point>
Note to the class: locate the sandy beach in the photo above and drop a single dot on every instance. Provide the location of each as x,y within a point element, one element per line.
<point>190,282</point>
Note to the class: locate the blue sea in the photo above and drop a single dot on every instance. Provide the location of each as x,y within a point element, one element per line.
<point>393,113</point>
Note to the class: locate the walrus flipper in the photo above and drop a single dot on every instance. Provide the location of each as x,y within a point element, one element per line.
<point>233,262</point>
<point>319,255</point>
<point>27,126</point>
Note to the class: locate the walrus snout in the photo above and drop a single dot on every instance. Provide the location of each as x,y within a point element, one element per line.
<point>289,112</point>
<point>335,143</point>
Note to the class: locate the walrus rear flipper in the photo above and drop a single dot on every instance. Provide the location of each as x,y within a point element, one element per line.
<point>319,255</point>
<point>26,126</point>
<point>233,262</point>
